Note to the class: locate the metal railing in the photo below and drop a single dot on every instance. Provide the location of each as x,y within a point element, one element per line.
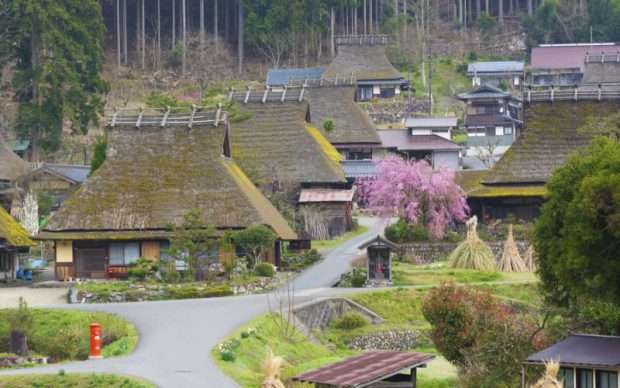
<point>603,58</point>
<point>320,81</point>
<point>287,93</point>
<point>361,39</point>
<point>162,117</point>
<point>581,92</point>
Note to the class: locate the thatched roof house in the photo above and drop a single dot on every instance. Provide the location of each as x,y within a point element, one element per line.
<point>151,178</point>
<point>516,183</point>
<point>353,131</point>
<point>365,59</point>
<point>11,165</point>
<point>279,144</point>
<point>13,240</point>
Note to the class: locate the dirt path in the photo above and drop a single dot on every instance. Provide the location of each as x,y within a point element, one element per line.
<point>35,297</point>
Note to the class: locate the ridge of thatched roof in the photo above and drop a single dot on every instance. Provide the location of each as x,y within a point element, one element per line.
<point>279,141</point>
<point>13,234</point>
<point>152,176</point>
<point>11,165</point>
<point>550,135</point>
<point>338,104</point>
<point>363,61</point>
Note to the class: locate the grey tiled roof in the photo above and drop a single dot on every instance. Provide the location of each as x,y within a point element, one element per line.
<point>484,91</point>
<point>359,169</point>
<point>278,77</point>
<point>72,172</point>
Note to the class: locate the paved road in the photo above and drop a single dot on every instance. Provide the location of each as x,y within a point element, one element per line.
<point>177,336</point>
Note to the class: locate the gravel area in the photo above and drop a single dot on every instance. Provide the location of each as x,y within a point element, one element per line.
<point>35,297</point>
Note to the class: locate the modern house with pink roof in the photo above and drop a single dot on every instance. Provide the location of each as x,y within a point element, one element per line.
<point>563,64</point>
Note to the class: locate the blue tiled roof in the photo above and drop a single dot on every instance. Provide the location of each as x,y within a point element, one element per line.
<point>359,169</point>
<point>73,172</point>
<point>495,67</point>
<point>278,77</point>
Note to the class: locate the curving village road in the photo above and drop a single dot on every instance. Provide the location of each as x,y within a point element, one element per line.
<point>176,337</point>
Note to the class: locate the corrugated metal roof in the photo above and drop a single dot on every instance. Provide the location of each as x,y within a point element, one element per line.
<point>430,122</point>
<point>582,349</point>
<point>75,173</point>
<point>403,141</point>
<point>325,195</point>
<point>279,77</point>
<point>495,67</point>
<point>567,56</point>
<point>354,169</point>
<point>365,368</point>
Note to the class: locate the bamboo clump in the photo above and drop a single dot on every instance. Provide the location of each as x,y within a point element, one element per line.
<point>271,367</point>
<point>529,260</point>
<point>511,260</point>
<point>473,253</point>
<point>549,379</point>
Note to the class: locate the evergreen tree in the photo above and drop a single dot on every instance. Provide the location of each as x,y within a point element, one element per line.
<point>59,52</point>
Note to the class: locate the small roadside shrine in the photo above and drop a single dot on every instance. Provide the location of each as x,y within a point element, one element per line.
<point>379,260</point>
<point>375,368</point>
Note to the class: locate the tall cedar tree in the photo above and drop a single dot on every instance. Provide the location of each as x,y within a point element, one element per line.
<point>59,52</point>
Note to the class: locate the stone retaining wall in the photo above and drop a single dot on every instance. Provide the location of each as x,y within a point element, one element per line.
<point>426,253</point>
<point>398,340</point>
<point>317,315</point>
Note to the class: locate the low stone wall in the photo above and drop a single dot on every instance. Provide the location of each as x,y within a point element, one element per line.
<point>398,340</point>
<point>317,315</point>
<point>426,253</point>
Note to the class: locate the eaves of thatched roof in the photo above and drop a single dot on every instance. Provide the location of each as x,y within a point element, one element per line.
<point>550,135</point>
<point>338,104</point>
<point>12,233</point>
<point>11,165</point>
<point>152,176</point>
<point>364,62</point>
<point>278,141</point>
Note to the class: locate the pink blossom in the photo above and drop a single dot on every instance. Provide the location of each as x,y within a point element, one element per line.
<point>411,190</point>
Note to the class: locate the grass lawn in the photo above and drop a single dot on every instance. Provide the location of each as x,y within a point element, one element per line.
<point>64,334</point>
<point>325,245</point>
<point>77,380</point>
<point>401,307</point>
<point>405,274</point>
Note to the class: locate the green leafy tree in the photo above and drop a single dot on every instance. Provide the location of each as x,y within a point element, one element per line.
<point>329,125</point>
<point>577,236</point>
<point>99,154</point>
<point>58,47</point>
<point>255,241</point>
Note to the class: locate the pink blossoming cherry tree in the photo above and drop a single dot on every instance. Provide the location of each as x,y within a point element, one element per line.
<point>413,191</point>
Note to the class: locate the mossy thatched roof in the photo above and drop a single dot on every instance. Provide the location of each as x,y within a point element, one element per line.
<point>469,180</point>
<point>12,233</point>
<point>152,176</point>
<point>11,165</point>
<point>279,141</point>
<point>338,104</point>
<point>364,62</point>
<point>550,134</point>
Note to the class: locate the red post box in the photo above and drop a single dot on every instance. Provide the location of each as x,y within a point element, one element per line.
<point>95,341</point>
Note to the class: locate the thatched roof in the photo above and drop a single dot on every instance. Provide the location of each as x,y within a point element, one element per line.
<point>550,134</point>
<point>152,176</point>
<point>12,234</point>
<point>11,165</point>
<point>338,104</point>
<point>277,140</point>
<point>363,61</point>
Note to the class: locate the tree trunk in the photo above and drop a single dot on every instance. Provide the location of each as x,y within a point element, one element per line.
<point>365,20</point>
<point>227,21</point>
<point>158,33</point>
<point>370,17</point>
<point>378,12</point>
<point>405,22</point>
<point>500,13</point>
<point>511,9</point>
<point>118,35</point>
<point>215,27</point>
<point>461,11</point>
<point>18,343</point>
<point>486,7</point>
<point>137,28</point>
<point>355,21</point>
<point>240,42</point>
<point>202,30</point>
<point>530,8</point>
<point>184,37</point>
<point>332,45</point>
<point>125,31</point>
<point>143,40</point>
<point>397,25</point>
<point>478,9</point>
<point>174,22</point>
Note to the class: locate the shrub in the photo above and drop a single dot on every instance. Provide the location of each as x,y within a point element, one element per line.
<point>350,320</point>
<point>142,268</point>
<point>228,356</point>
<point>358,279</point>
<point>401,232</point>
<point>22,319</point>
<point>265,270</point>
<point>329,125</point>
<point>171,276</point>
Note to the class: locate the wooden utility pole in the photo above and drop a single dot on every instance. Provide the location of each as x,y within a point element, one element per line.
<point>240,42</point>
<point>118,35</point>
<point>184,38</point>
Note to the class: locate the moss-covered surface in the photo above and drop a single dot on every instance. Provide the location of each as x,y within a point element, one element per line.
<point>364,62</point>
<point>73,380</point>
<point>11,231</point>
<point>508,191</point>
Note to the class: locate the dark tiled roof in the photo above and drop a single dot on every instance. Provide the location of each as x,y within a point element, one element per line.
<point>277,139</point>
<point>277,77</point>
<point>484,91</point>
<point>482,120</point>
<point>582,349</point>
<point>338,104</point>
<point>365,62</point>
<point>75,173</point>
<point>11,165</point>
<point>550,134</point>
<point>365,368</point>
<point>403,141</point>
<point>354,169</point>
<point>152,176</point>
<point>495,67</point>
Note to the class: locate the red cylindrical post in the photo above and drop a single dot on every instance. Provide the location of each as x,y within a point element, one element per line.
<point>95,341</point>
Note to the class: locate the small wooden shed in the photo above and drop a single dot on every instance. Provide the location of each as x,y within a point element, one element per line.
<point>375,368</point>
<point>379,259</point>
